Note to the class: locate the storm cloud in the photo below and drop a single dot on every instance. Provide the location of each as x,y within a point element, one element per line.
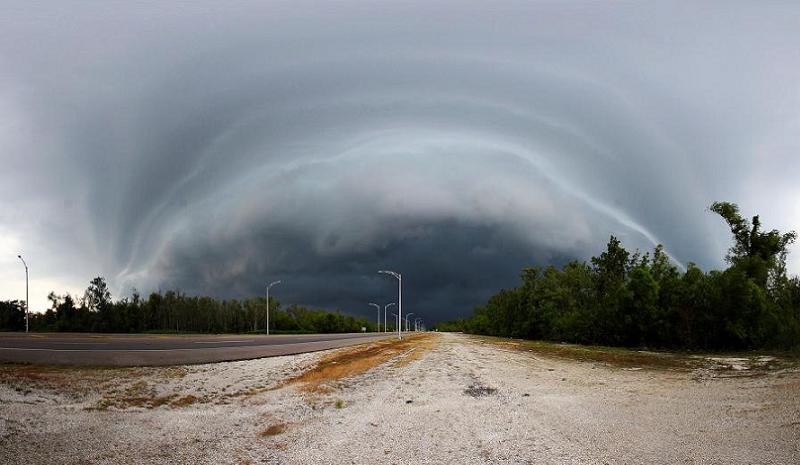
<point>213,148</point>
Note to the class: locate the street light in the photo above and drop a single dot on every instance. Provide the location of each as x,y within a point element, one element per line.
<point>379,314</point>
<point>26,292</point>
<point>416,326</point>
<point>269,286</point>
<point>399,297</point>
<point>385,321</point>
<point>407,320</point>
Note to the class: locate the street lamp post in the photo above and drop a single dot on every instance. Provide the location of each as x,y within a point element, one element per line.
<point>26,292</point>
<point>407,320</point>
<point>385,321</point>
<point>269,286</point>
<point>416,325</point>
<point>399,297</point>
<point>379,314</point>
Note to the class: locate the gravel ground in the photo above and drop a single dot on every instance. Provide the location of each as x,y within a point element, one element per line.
<point>449,399</point>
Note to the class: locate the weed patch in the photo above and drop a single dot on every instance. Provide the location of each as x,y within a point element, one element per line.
<point>479,390</point>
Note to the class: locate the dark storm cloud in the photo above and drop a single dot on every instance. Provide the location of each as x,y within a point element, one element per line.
<point>212,149</point>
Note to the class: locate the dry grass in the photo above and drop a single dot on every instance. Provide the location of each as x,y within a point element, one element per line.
<point>143,395</point>
<point>185,401</point>
<point>617,357</point>
<point>123,403</point>
<point>357,360</point>
<point>628,358</point>
<point>66,380</point>
<point>79,381</point>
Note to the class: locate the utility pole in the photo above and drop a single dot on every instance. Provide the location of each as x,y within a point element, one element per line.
<point>269,286</point>
<point>27,311</point>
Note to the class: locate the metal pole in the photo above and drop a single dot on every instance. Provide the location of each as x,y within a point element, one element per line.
<point>379,314</point>
<point>269,286</point>
<point>399,298</point>
<point>407,320</point>
<point>399,304</point>
<point>27,311</point>
<point>267,325</point>
<point>385,320</point>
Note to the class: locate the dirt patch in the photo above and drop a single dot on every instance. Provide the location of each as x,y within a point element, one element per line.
<point>415,353</point>
<point>351,362</point>
<point>273,430</point>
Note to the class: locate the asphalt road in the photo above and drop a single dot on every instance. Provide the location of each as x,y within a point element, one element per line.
<point>152,350</point>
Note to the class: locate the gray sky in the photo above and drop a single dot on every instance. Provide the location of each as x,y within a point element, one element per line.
<point>212,148</point>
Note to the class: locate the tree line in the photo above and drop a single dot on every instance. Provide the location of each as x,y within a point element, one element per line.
<point>173,311</point>
<point>629,299</point>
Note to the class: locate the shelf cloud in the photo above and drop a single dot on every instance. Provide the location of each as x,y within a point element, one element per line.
<point>212,149</point>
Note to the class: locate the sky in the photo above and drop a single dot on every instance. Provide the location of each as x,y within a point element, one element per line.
<point>212,147</point>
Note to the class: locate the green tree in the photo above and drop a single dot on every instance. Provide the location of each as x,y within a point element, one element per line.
<point>609,320</point>
<point>97,295</point>
<point>12,315</point>
<point>642,307</point>
<point>760,254</point>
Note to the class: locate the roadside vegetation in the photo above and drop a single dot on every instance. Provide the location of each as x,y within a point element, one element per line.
<point>642,300</point>
<point>727,363</point>
<point>173,312</point>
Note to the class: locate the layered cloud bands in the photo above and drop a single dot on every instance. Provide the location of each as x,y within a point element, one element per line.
<point>213,149</point>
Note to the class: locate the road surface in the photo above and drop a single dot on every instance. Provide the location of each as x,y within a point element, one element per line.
<point>153,350</point>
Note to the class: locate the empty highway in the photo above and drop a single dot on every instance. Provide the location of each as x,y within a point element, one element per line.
<point>152,350</point>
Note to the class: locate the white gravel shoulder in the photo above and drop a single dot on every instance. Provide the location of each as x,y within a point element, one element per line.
<point>461,402</point>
